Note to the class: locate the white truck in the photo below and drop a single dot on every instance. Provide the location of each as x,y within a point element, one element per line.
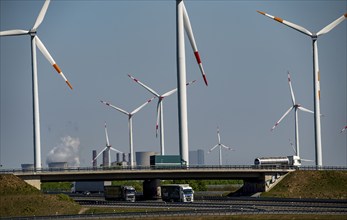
<point>124,193</point>
<point>177,193</point>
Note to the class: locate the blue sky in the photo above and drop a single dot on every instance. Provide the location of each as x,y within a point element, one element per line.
<point>246,57</point>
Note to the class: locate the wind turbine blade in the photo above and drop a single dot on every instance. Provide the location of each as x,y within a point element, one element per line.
<point>332,25</point>
<point>99,154</point>
<point>48,56</point>
<point>168,93</point>
<point>144,86</point>
<point>112,106</point>
<point>292,145</point>
<point>158,116</point>
<point>209,151</point>
<point>189,31</point>
<point>41,15</point>
<point>307,160</point>
<point>107,141</point>
<point>226,147</point>
<point>174,90</point>
<point>13,32</point>
<point>289,24</point>
<point>218,135</point>
<point>143,105</point>
<point>291,88</point>
<point>285,114</point>
<point>116,150</point>
<point>343,129</point>
<point>305,109</point>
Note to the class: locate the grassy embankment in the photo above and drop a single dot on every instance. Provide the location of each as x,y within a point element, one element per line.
<point>18,198</point>
<point>311,184</point>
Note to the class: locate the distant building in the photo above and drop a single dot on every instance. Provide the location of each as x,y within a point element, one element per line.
<point>142,158</point>
<point>197,157</point>
<point>58,165</point>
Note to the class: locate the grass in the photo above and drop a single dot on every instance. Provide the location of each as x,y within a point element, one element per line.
<point>311,184</point>
<point>18,198</point>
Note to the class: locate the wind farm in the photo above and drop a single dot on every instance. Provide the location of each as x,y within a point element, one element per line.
<point>243,62</point>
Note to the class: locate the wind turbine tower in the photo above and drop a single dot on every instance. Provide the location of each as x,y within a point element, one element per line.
<point>183,23</point>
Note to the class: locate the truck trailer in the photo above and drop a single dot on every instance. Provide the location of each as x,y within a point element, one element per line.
<point>123,193</point>
<point>164,161</point>
<point>177,193</point>
<point>87,187</point>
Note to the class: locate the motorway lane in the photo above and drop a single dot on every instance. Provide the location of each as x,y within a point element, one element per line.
<point>229,205</point>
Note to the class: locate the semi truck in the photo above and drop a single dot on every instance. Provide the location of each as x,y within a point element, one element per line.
<point>124,193</point>
<point>294,161</point>
<point>177,193</point>
<point>87,187</point>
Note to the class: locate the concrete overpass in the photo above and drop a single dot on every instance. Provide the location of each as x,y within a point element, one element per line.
<point>255,179</point>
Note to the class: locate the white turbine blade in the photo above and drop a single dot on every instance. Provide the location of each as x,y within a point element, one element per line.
<point>332,25</point>
<point>189,31</point>
<point>305,109</point>
<point>168,93</point>
<point>13,32</point>
<point>112,106</point>
<point>116,150</point>
<point>285,114</point>
<point>218,136</point>
<point>174,90</point>
<point>143,105</point>
<point>292,145</point>
<point>289,24</point>
<point>226,147</point>
<point>291,89</point>
<point>99,154</point>
<point>107,141</point>
<point>209,151</point>
<point>343,129</point>
<point>144,86</point>
<point>41,15</point>
<point>48,56</point>
<point>158,116</point>
<point>307,160</point>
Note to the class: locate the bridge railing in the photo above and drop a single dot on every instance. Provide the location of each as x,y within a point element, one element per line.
<point>191,167</point>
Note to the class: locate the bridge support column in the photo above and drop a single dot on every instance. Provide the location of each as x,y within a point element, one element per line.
<point>35,181</point>
<point>263,184</point>
<point>151,189</point>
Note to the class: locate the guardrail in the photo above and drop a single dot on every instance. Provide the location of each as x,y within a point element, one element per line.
<point>200,167</point>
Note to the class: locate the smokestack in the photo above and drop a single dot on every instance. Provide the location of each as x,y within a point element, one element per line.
<point>95,162</point>
<point>129,161</point>
<point>117,156</point>
<point>105,159</point>
<point>124,159</point>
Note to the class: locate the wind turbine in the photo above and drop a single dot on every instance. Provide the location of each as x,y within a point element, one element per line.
<point>35,41</point>
<point>130,124</point>
<point>295,152</point>
<point>108,149</point>
<point>160,114</point>
<point>183,23</point>
<point>316,74</point>
<point>295,106</point>
<point>220,145</point>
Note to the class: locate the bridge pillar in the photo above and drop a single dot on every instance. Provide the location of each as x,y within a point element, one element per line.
<point>35,181</point>
<point>262,184</point>
<point>151,189</point>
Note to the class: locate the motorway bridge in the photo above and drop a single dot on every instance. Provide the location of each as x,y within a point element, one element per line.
<point>256,179</point>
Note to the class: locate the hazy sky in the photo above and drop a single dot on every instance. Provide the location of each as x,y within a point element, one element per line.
<point>246,57</point>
